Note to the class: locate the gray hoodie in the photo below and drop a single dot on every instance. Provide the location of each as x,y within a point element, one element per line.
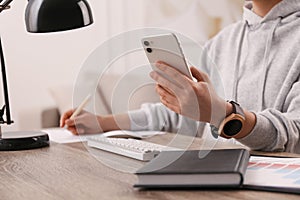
<point>259,62</point>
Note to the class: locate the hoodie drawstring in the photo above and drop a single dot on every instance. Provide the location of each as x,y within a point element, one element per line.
<point>238,62</point>
<point>266,64</point>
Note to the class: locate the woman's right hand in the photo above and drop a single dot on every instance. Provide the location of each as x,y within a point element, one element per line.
<point>84,123</point>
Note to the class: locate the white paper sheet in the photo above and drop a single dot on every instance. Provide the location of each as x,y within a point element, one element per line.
<point>61,135</point>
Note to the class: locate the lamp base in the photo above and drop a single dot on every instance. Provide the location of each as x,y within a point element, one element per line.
<point>15,141</point>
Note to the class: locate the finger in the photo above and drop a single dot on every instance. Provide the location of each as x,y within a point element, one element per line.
<point>74,122</point>
<point>172,107</point>
<point>76,130</point>
<point>65,116</point>
<point>176,75</point>
<point>167,84</point>
<point>78,120</point>
<point>166,95</point>
<point>70,122</point>
<point>73,130</point>
<point>162,88</point>
<point>199,75</point>
<point>167,90</point>
<point>171,102</point>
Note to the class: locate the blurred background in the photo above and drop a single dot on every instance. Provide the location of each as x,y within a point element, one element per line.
<point>41,68</point>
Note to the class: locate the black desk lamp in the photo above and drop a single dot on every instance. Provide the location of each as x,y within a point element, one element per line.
<point>41,16</point>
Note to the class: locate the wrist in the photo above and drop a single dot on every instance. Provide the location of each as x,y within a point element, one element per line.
<point>107,123</point>
<point>219,116</point>
<point>248,120</point>
<point>102,123</point>
<point>114,122</point>
<point>232,124</point>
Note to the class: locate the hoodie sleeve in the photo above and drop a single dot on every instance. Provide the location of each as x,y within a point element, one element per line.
<point>276,130</point>
<point>156,117</point>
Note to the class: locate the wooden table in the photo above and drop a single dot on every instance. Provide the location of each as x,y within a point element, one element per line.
<point>70,171</point>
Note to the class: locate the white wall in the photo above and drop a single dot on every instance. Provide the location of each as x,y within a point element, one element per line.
<point>36,62</point>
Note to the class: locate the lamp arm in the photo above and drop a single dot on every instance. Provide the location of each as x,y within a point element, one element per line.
<point>5,89</point>
<point>6,107</point>
<point>5,5</point>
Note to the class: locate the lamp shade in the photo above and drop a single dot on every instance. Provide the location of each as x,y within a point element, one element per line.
<point>43,16</point>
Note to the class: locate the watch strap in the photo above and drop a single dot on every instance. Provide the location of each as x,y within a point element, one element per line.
<point>236,108</point>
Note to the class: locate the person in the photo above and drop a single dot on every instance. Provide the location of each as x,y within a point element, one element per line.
<point>259,62</point>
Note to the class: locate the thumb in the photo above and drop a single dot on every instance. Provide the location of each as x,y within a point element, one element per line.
<point>199,75</point>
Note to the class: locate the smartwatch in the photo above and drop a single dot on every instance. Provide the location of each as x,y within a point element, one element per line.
<point>232,125</point>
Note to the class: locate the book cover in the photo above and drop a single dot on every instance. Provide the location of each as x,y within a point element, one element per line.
<point>194,168</point>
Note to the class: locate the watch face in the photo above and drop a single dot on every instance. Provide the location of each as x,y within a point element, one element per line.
<point>232,127</point>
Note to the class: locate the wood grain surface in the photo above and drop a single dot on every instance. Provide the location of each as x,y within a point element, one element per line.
<point>73,171</point>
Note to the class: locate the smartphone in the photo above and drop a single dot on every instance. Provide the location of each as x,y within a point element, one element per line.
<point>166,48</point>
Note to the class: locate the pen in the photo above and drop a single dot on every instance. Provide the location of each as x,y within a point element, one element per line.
<point>81,106</point>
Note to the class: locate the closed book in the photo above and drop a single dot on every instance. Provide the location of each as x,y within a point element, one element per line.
<point>223,168</point>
